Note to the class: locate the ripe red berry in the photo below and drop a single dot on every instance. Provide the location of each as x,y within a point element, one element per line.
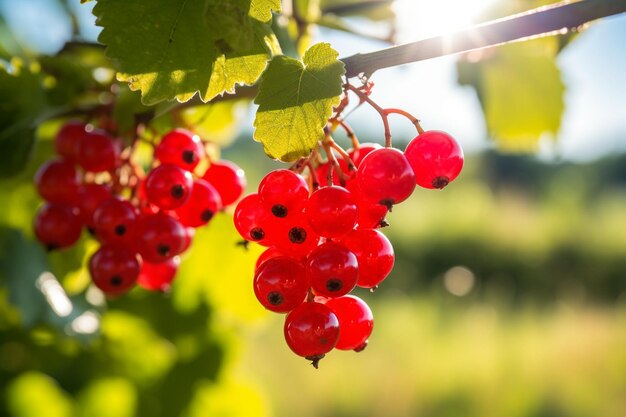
<point>114,269</point>
<point>332,211</point>
<point>203,203</point>
<point>98,151</point>
<point>355,321</point>
<point>374,254</point>
<point>114,221</point>
<point>228,179</point>
<point>371,214</point>
<point>311,331</point>
<point>57,226</point>
<point>57,181</point>
<point>90,196</point>
<point>182,148</point>
<point>364,149</point>
<point>436,158</point>
<point>323,170</point>
<point>268,253</point>
<point>168,186</point>
<point>293,235</point>
<point>386,177</point>
<point>280,284</point>
<point>251,220</point>
<point>332,270</point>
<point>158,277</point>
<point>159,237</point>
<point>283,192</point>
<point>67,139</point>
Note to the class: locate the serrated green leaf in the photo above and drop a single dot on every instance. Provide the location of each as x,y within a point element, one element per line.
<point>167,49</point>
<point>521,92</point>
<point>295,101</point>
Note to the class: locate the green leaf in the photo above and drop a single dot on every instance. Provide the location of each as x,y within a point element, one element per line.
<point>521,92</point>
<point>295,101</point>
<point>167,48</point>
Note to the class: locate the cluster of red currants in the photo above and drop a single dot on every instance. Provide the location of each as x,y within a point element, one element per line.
<point>323,240</point>
<point>143,222</point>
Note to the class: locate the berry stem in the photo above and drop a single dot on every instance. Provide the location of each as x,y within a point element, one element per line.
<point>409,116</point>
<point>350,133</point>
<point>315,184</point>
<point>363,96</point>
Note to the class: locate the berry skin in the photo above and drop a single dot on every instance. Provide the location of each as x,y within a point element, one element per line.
<point>203,203</point>
<point>57,226</point>
<point>436,158</point>
<point>371,214</point>
<point>280,284</point>
<point>114,221</point>
<point>332,211</point>
<point>58,181</point>
<point>332,270</point>
<point>269,253</point>
<point>67,139</point>
<point>182,148</point>
<point>364,149</point>
<point>114,270</point>
<point>159,237</point>
<point>283,192</point>
<point>355,321</point>
<point>373,252</point>
<point>98,151</point>
<point>385,177</point>
<point>168,186</point>
<point>228,179</point>
<point>158,277</point>
<point>251,220</point>
<point>311,331</point>
<point>90,196</point>
<point>293,235</point>
<point>323,169</point>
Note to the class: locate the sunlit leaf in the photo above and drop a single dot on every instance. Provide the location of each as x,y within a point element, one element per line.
<point>295,101</point>
<point>34,394</point>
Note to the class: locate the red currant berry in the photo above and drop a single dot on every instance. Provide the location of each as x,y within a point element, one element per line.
<point>373,252</point>
<point>114,221</point>
<point>436,158</point>
<point>355,321</point>
<point>98,151</point>
<point>203,203</point>
<point>67,139</point>
<point>293,236</point>
<point>283,192</point>
<point>57,226</point>
<point>90,196</point>
<point>332,270</point>
<point>158,277</point>
<point>168,186</point>
<point>57,181</point>
<point>280,284</point>
<point>364,149</point>
<point>251,220</point>
<point>371,214</point>
<point>386,177</point>
<point>323,170</point>
<point>269,253</point>
<point>190,233</point>
<point>332,211</point>
<point>228,179</point>
<point>114,270</point>
<point>159,237</point>
<point>181,148</point>
<point>311,331</point>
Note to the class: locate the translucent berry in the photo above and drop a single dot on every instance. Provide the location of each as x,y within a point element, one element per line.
<point>355,321</point>
<point>228,179</point>
<point>251,220</point>
<point>159,237</point>
<point>332,270</point>
<point>114,269</point>
<point>371,214</point>
<point>67,139</point>
<point>182,148</point>
<point>280,284</point>
<point>114,221</point>
<point>90,196</point>
<point>332,211</point>
<point>293,235</point>
<point>98,151</point>
<point>158,277</point>
<point>323,170</point>
<point>57,226</point>
<point>311,331</point>
<point>269,253</point>
<point>436,158</point>
<point>204,202</point>
<point>364,149</point>
<point>168,186</point>
<point>374,254</point>
<point>57,181</point>
<point>385,177</point>
<point>283,192</point>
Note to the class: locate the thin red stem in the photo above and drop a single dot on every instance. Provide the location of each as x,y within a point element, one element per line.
<point>376,107</point>
<point>409,116</point>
